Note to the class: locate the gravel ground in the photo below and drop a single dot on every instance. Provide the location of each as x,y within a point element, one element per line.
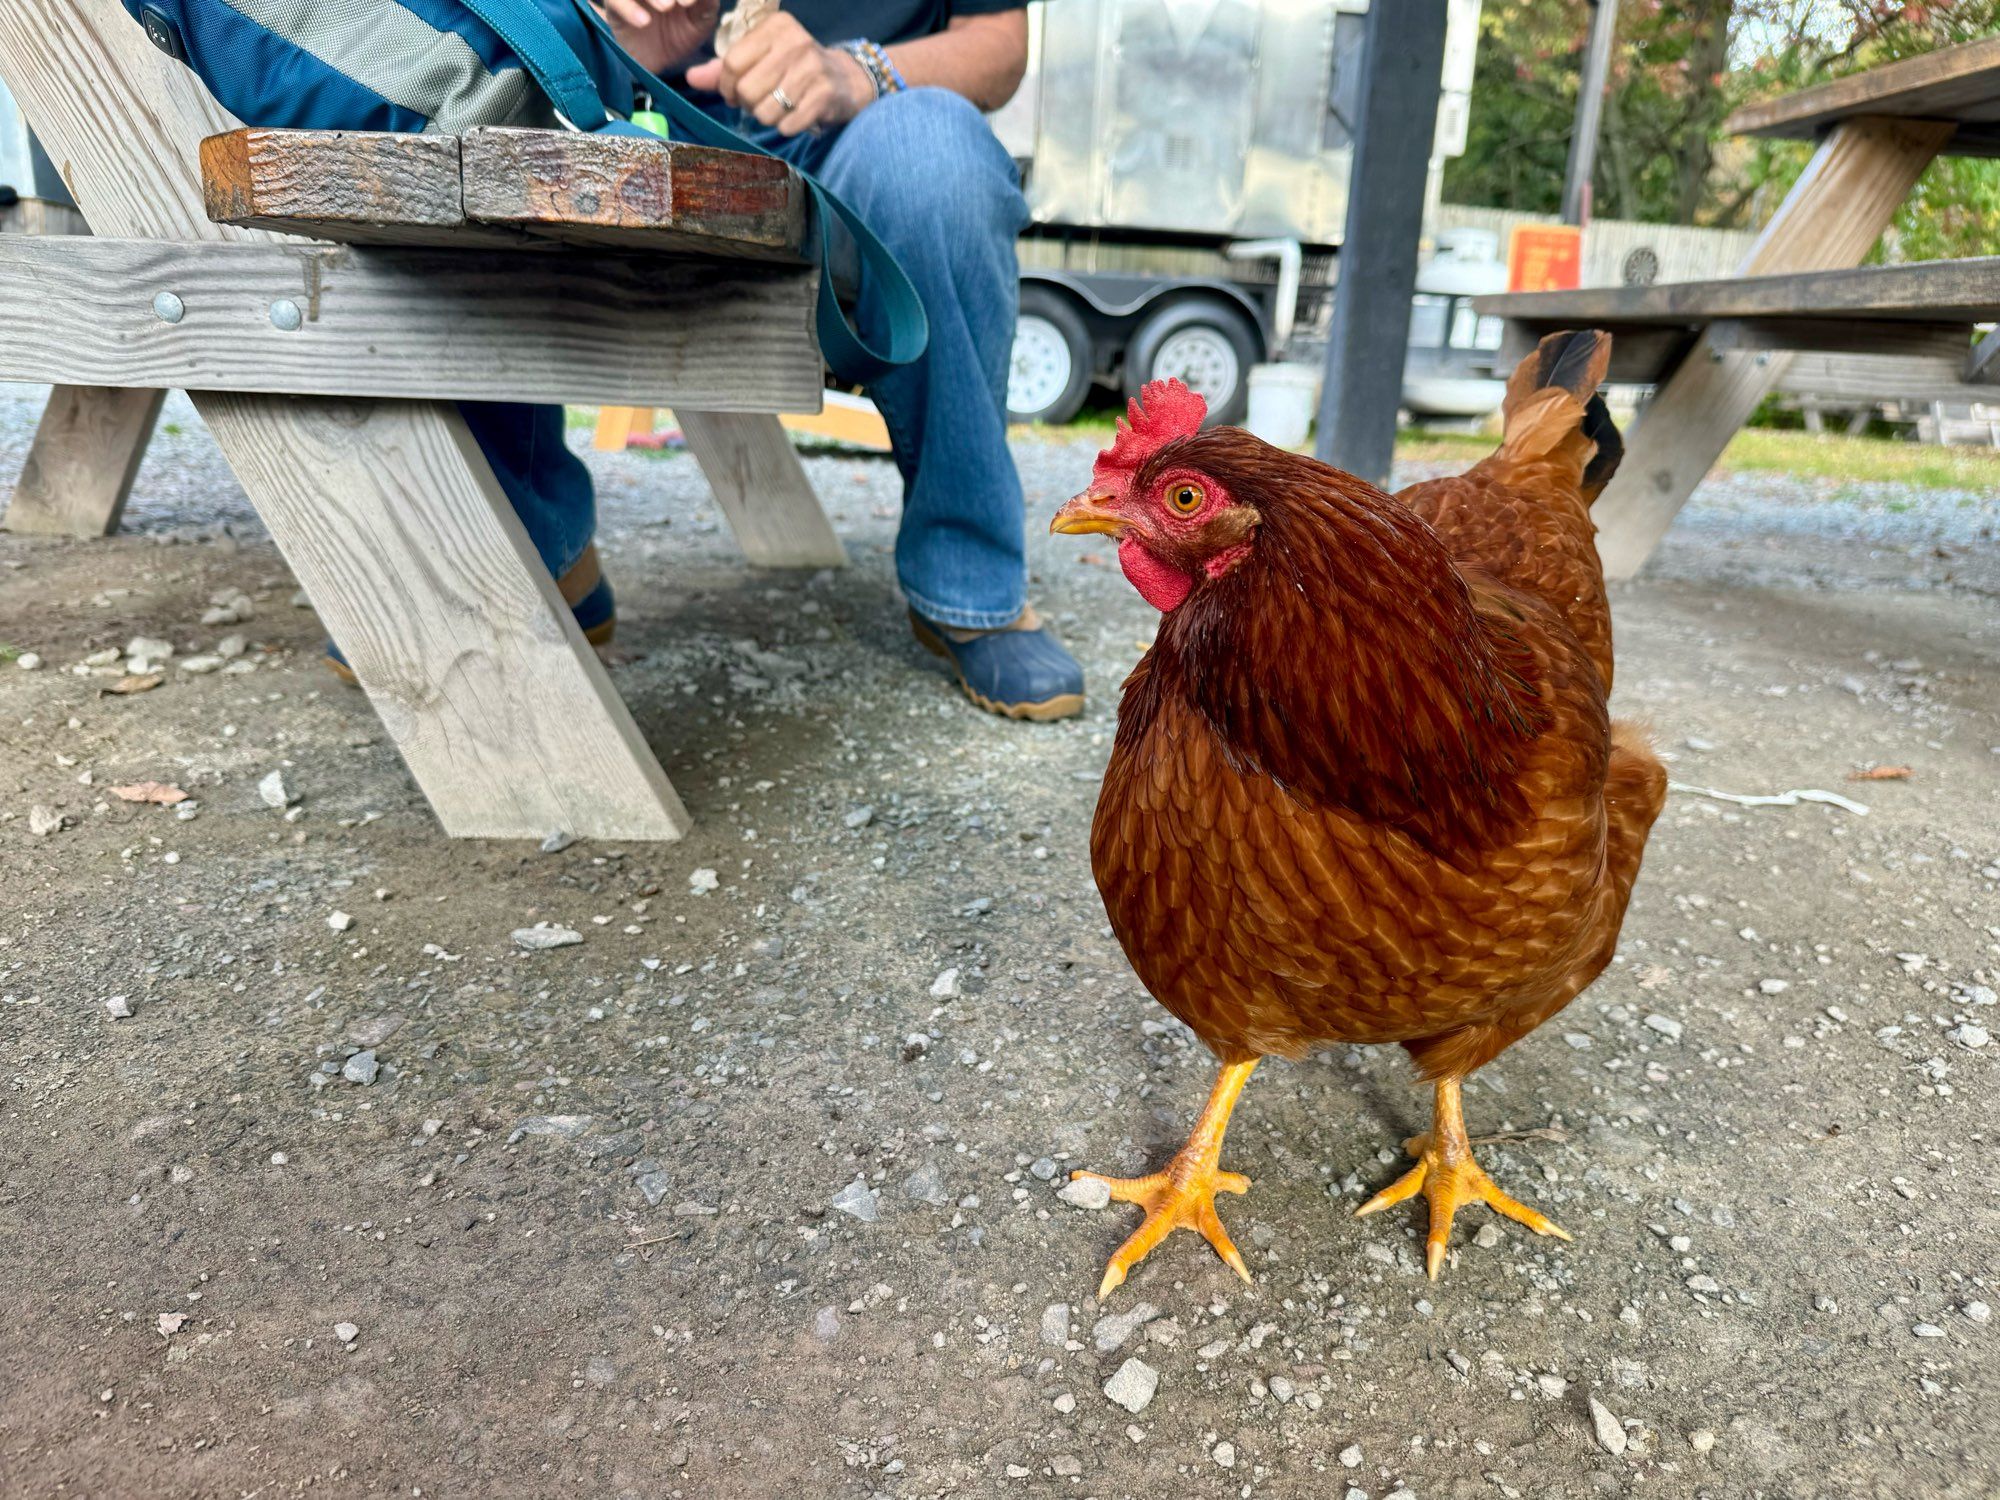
<point>315,1180</point>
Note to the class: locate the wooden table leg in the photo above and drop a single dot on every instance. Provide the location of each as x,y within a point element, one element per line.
<point>81,464</point>
<point>387,511</point>
<point>1851,190</point>
<point>762,488</point>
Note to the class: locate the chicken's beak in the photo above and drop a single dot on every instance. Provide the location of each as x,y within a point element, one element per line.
<point>1088,512</point>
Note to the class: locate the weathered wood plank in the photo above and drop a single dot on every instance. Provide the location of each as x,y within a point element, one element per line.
<point>410,323</point>
<point>1932,291</point>
<point>637,194</point>
<point>1841,336</point>
<point>353,186</point>
<point>502,186</point>
<point>1956,84</point>
<point>1982,365</point>
<point>754,471</point>
<point>1831,218</point>
<point>81,464</point>
<point>505,718</point>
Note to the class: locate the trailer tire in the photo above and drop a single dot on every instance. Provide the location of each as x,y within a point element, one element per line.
<point>1203,341</point>
<point>1049,374</point>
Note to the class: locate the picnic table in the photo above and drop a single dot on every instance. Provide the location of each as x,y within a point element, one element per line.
<point>1714,349</point>
<point>324,297</point>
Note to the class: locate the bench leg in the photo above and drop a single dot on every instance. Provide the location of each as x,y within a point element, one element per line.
<point>81,464</point>
<point>1857,180</point>
<point>392,520</point>
<point>762,489</point>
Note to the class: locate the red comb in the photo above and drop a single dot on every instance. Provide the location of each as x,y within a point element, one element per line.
<point>1164,410</point>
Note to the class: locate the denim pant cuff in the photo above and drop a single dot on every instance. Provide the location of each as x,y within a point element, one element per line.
<point>962,619</point>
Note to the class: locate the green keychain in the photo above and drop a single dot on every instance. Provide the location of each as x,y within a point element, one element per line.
<point>648,118</point>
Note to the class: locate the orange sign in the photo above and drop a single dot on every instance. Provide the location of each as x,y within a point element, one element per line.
<point>1545,258</point>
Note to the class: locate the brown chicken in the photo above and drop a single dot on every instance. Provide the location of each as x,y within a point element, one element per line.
<point>1365,787</point>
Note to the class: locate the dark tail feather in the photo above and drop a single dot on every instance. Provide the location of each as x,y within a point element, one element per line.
<point>1575,363</point>
<point>1601,430</point>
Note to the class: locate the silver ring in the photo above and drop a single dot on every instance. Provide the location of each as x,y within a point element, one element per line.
<point>784,100</point>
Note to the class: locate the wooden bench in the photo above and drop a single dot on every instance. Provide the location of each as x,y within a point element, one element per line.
<point>1716,349</point>
<point>503,265</point>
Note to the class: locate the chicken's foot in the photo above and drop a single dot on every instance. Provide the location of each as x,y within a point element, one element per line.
<point>1183,1196</point>
<point>1448,1176</point>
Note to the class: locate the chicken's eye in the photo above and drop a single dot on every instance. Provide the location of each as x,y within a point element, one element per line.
<point>1185,498</point>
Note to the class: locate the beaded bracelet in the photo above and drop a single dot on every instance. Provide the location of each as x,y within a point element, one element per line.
<point>877,64</point>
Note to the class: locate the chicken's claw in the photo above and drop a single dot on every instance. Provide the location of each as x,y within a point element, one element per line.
<point>1181,1197</point>
<point>1447,1175</point>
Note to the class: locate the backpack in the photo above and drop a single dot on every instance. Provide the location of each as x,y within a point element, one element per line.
<point>448,65</point>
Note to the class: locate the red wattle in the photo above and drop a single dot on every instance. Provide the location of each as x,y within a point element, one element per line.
<point>1160,584</point>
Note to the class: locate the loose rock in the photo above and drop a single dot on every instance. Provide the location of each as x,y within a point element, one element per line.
<point>1085,1192</point>
<point>1133,1385</point>
<point>858,1200</point>
<point>1610,1431</point>
<point>543,936</point>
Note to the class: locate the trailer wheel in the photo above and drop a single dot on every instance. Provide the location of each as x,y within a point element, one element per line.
<point>1206,344</point>
<point>1050,372</point>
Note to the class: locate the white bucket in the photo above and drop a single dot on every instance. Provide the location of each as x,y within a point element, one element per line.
<point>1282,399</point>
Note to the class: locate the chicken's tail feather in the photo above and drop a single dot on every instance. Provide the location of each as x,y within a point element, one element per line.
<point>1552,410</point>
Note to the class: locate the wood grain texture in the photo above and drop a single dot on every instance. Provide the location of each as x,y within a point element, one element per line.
<point>506,720</point>
<point>1960,85</point>
<point>81,464</point>
<point>503,186</point>
<point>1932,291</point>
<point>412,323</point>
<point>758,482</point>
<point>450,619</point>
<point>623,191</point>
<point>1831,219</point>
<point>356,187</point>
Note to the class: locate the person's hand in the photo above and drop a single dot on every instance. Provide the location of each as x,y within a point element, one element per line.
<point>778,73</point>
<point>659,33</point>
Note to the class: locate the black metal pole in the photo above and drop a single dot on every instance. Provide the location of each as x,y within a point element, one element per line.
<point>1589,111</point>
<point>1402,61</point>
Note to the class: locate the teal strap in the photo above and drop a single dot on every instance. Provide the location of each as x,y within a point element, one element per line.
<point>550,61</point>
<point>554,65</point>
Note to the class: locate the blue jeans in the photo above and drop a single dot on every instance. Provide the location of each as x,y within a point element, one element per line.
<point>926,172</point>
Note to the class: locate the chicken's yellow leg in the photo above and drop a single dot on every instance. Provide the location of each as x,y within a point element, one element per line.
<point>1447,1175</point>
<point>1183,1196</point>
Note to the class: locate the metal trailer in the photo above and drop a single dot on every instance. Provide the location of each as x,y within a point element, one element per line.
<point>1185,164</point>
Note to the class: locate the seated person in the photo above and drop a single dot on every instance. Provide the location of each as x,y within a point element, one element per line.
<point>881,99</point>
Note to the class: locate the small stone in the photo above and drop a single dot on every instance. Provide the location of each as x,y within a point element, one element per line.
<point>655,1185</point>
<point>29,661</point>
<point>543,936</point>
<point>555,841</point>
<point>1055,1326</point>
<point>1132,1385</point>
<point>1970,1036</point>
<point>119,1007</point>
<point>230,647</point>
<point>1065,1403</point>
<point>361,1068</point>
<point>946,986</point>
<point>859,817</point>
<point>43,821</point>
<point>1979,1312</point>
<point>600,1371</point>
<point>926,1185</point>
<point>1706,1285</point>
<point>1552,1386</point>
<point>278,1158</point>
<point>1282,1388</point>
<point>563,1127</point>
<point>1927,1330</point>
<point>1701,1440</point>
<point>1224,1455</point>
<point>1110,1332</point>
<point>1825,1304</point>
<point>339,921</point>
<point>1772,986</point>
<point>858,1200</point>
<point>107,657</point>
<point>201,665</point>
<point>347,1333</point>
<point>170,1323</point>
<point>149,648</point>
<point>701,882</point>
<point>1043,1169</point>
<point>1350,1456</point>
<point>1487,1237</point>
<point>1666,1026</point>
<point>272,792</point>
<point>1610,1431</point>
<point>1085,1192</point>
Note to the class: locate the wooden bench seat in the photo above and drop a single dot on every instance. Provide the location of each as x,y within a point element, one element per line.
<point>498,265</point>
<point>1954,85</point>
